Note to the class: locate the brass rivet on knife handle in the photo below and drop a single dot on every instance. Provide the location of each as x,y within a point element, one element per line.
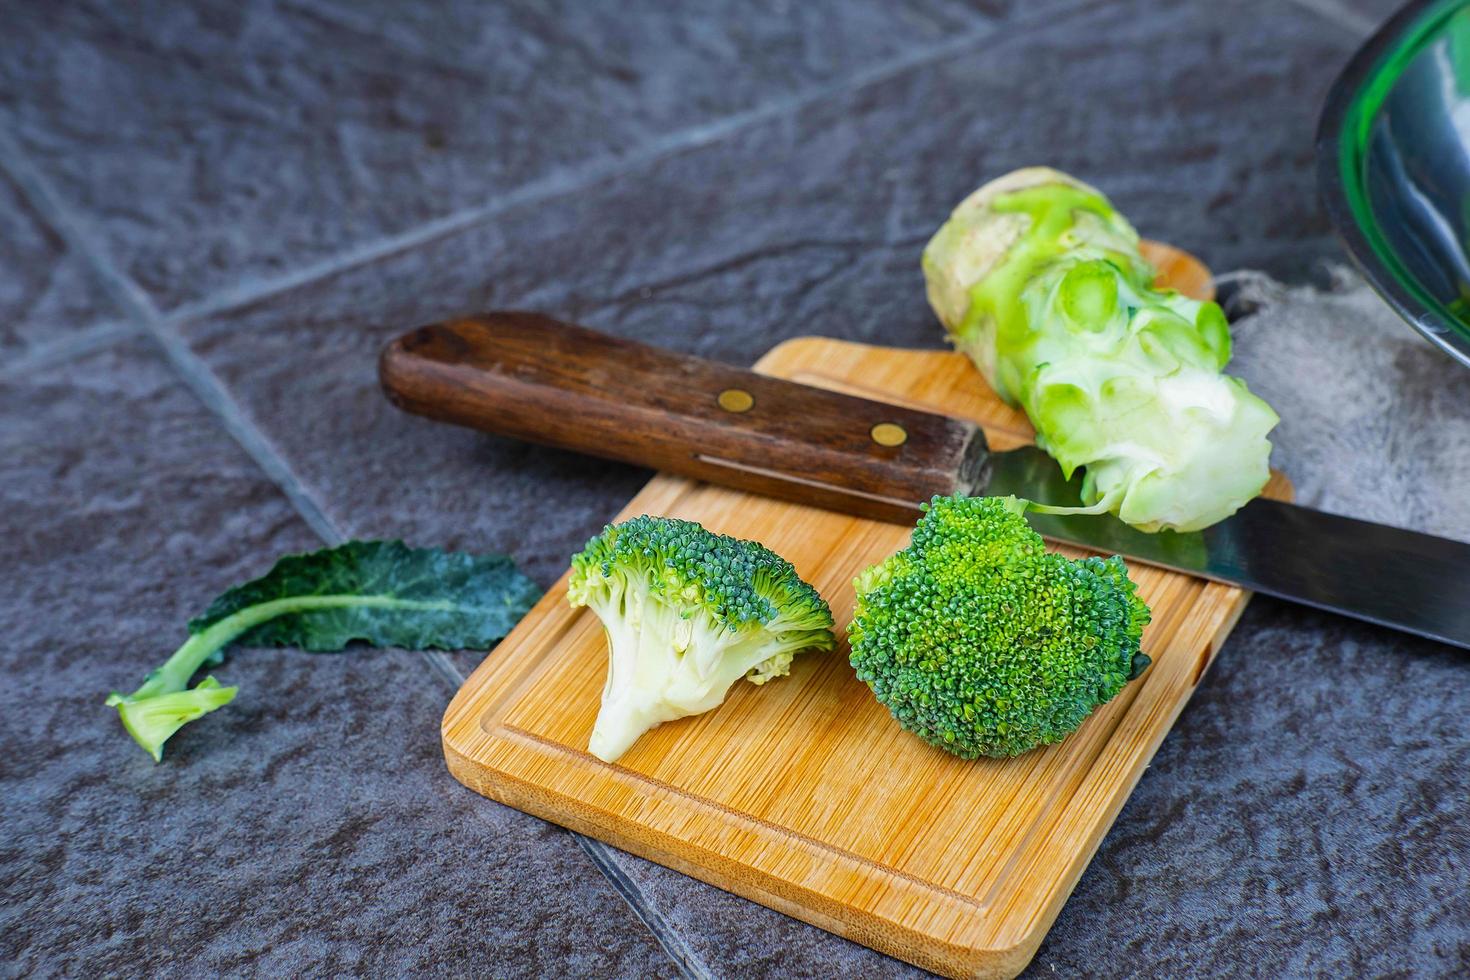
<point>735,400</point>
<point>531,377</point>
<point>889,434</point>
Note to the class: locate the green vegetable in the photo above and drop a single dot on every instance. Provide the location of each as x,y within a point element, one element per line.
<point>1039,280</point>
<point>982,642</point>
<point>379,592</point>
<point>688,612</point>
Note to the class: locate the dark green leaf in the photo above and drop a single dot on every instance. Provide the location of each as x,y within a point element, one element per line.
<point>383,593</point>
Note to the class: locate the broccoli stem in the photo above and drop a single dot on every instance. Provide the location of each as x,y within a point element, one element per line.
<point>164,703</point>
<point>1040,281</point>
<point>1019,506</point>
<point>620,723</point>
<point>1103,506</point>
<point>186,660</point>
<point>153,720</point>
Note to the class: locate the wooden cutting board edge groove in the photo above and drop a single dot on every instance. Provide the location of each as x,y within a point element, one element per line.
<point>509,764</point>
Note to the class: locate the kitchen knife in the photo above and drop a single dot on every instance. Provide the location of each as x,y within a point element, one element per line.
<point>535,378</point>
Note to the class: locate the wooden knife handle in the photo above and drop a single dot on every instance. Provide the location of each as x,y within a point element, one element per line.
<point>535,378</point>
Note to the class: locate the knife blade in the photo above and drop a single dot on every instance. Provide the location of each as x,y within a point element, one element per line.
<point>1386,575</point>
<point>531,377</point>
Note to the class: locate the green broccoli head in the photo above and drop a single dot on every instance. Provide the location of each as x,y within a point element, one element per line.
<point>982,642</point>
<point>688,612</point>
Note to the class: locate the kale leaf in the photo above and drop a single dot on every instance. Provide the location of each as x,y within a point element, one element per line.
<point>382,593</point>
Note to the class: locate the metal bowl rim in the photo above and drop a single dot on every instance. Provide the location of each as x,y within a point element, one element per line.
<point>1343,100</point>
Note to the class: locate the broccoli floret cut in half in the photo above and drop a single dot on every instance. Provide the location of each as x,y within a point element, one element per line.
<point>688,613</point>
<point>982,642</point>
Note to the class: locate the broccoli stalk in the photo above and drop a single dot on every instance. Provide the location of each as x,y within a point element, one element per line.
<point>687,614</point>
<point>1039,280</point>
<point>379,592</point>
<point>152,717</point>
<point>164,702</point>
<point>982,642</point>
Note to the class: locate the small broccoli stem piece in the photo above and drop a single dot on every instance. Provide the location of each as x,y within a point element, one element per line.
<point>163,703</point>
<point>201,648</point>
<point>1019,506</point>
<point>1101,507</point>
<point>153,720</point>
<point>687,613</point>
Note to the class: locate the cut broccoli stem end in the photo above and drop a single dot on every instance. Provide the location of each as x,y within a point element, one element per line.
<point>1103,506</point>
<point>619,724</point>
<point>164,703</point>
<point>154,719</point>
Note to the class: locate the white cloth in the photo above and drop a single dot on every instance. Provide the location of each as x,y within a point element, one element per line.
<point>1375,420</point>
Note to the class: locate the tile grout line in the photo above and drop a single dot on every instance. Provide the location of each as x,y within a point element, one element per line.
<point>143,319</point>
<point>1355,23</point>
<point>969,16</point>
<point>85,341</point>
<point>587,173</point>
<point>196,375</point>
<point>440,664</point>
<point>689,963</point>
<point>139,309</point>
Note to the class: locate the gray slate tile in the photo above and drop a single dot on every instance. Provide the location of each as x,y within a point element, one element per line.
<point>1306,817</point>
<point>47,291</point>
<point>307,828</point>
<point>214,141</point>
<point>1372,13</point>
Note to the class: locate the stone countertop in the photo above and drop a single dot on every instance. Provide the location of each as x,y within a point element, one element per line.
<point>213,214</point>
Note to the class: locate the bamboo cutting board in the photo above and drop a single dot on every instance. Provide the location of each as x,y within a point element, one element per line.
<point>804,794</point>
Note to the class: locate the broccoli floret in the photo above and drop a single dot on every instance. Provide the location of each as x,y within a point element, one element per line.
<point>982,642</point>
<point>688,612</point>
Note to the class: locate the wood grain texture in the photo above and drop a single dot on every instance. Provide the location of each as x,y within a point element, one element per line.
<point>804,794</point>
